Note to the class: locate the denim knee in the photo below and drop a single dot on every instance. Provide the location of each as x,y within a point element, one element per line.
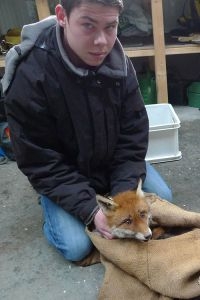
<point>154,183</point>
<point>73,249</point>
<point>78,250</point>
<point>65,232</point>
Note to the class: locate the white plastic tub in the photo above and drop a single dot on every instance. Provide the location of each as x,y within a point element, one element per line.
<point>163,133</point>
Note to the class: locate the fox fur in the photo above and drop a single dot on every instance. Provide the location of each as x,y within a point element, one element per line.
<point>142,216</point>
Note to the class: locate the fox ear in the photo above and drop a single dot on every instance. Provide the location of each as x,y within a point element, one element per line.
<point>139,191</point>
<point>106,204</point>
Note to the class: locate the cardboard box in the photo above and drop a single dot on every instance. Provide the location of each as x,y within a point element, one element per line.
<point>163,133</point>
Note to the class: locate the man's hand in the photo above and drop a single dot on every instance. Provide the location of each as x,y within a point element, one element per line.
<point>101,225</point>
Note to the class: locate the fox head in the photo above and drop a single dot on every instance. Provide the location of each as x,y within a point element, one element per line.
<point>127,214</point>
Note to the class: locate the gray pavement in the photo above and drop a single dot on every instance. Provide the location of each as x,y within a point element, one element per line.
<point>31,269</point>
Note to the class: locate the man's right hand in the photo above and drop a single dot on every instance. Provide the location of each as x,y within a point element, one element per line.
<point>101,225</point>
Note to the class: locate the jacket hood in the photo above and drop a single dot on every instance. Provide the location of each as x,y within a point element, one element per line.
<point>29,35</point>
<point>114,64</point>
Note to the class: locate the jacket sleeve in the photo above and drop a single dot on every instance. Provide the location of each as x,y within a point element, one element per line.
<point>37,147</point>
<point>129,164</point>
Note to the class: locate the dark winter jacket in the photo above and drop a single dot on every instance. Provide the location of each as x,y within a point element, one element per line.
<point>76,132</point>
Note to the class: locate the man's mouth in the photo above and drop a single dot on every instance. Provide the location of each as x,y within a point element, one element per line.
<point>98,54</point>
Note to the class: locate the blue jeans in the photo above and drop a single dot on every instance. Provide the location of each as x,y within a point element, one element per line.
<point>67,233</point>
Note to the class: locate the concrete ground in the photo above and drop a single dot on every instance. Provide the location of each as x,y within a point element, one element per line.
<point>31,269</point>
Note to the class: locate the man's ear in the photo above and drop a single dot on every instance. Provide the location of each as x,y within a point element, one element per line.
<point>106,204</point>
<point>61,15</point>
<point>139,191</point>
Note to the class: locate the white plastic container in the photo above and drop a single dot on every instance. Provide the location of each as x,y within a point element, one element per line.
<point>163,133</point>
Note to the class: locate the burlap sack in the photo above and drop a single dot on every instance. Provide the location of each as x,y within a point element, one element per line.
<point>159,269</point>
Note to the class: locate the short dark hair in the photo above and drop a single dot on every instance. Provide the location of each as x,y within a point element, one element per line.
<point>68,5</point>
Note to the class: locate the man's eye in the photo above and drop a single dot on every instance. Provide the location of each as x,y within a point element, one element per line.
<point>88,26</point>
<point>111,27</point>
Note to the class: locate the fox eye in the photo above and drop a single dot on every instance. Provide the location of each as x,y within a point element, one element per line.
<point>127,221</point>
<point>143,214</point>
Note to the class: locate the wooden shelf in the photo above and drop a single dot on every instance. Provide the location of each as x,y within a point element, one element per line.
<point>42,8</point>
<point>169,50</point>
<point>148,51</point>
<point>182,49</point>
<point>2,61</point>
<point>139,51</point>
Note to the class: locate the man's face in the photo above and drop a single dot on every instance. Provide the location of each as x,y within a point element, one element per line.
<point>91,31</point>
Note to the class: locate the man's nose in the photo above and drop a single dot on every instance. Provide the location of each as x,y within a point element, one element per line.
<point>100,38</point>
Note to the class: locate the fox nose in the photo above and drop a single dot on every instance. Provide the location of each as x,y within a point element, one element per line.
<point>147,237</point>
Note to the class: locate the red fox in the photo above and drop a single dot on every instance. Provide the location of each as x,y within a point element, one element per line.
<point>130,214</point>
